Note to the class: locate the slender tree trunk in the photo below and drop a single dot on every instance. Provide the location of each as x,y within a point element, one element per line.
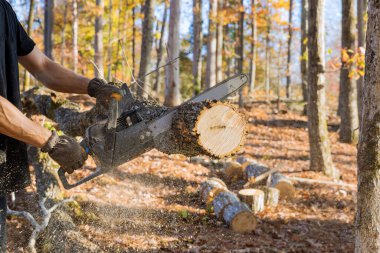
<point>267,58</point>
<point>211,45</point>
<point>49,25</point>
<point>172,90</point>
<point>120,39</point>
<point>288,65</point>
<point>29,31</point>
<point>110,24</point>
<point>253,49</point>
<point>198,39</point>
<point>219,44</point>
<point>146,46</point>
<point>320,154</point>
<point>368,200</point>
<point>98,60</point>
<point>361,10</point>
<point>304,64</point>
<point>75,35</point>
<point>279,77</point>
<point>63,30</point>
<point>134,41</point>
<point>349,110</point>
<point>241,51</point>
<point>159,50</point>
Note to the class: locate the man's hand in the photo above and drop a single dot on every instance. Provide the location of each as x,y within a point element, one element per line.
<point>103,92</point>
<point>66,151</point>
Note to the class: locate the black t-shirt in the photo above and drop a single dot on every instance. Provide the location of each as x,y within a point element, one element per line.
<point>14,42</point>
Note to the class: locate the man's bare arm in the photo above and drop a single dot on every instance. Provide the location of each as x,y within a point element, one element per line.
<point>53,75</point>
<point>16,125</point>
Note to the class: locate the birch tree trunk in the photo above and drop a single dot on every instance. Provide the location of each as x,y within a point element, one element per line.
<point>368,200</point>
<point>110,41</point>
<point>198,39</point>
<point>253,48</point>
<point>349,120</point>
<point>361,10</point>
<point>172,89</point>
<point>75,35</point>
<point>211,45</point>
<point>98,45</point>
<point>29,31</point>
<point>267,54</point>
<point>320,154</point>
<point>146,46</point>
<point>241,50</point>
<point>133,41</point>
<point>219,44</point>
<point>304,58</point>
<point>159,50</point>
<point>48,31</point>
<point>288,65</point>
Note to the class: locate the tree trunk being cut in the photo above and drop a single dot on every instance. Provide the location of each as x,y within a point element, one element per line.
<point>213,128</point>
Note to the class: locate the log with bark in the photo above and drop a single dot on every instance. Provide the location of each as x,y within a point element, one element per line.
<point>233,171</point>
<point>227,206</point>
<point>253,170</point>
<point>254,198</point>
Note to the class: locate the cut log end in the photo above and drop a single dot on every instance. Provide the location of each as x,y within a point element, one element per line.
<point>221,129</point>
<point>240,218</point>
<point>233,171</point>
<point>253,198</point>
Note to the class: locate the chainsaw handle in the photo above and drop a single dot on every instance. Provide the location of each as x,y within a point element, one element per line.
<point>68,186</point>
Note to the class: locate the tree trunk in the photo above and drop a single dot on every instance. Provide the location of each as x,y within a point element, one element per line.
<point>146,46</point>
<point>288,65</point>
<point>267,54</point>
<point>159,50</point>
<point>75,35</point>
<point>198,43</point>
<point>368,203</point>
<point>134,41</point>
<point>320,153</point>
<point>48,30</point>
<point>63,30</point>
<point>361,10</point>
<point>110,41</point>
<point>211,45</point>
<point>172,86</point>
<point>29,31</point>
<point>98,45</point>
<point>349,120</point>
<point>241,50</point>
<point>253,49</point>
<point>219,44</point>
<point>304,53</point>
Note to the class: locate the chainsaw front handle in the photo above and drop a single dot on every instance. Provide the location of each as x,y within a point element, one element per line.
<point>68,186</point>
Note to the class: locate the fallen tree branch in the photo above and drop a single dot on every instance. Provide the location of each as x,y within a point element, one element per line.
<point>37,227</point>
<point>314,181</point>
<point>258,179</point>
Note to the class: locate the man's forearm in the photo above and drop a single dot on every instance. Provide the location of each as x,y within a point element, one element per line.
<point>16,125</point>
<point>53,75</point>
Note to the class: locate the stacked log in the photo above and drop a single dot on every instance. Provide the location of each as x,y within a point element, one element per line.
<point>227,206</point>
<point>233,171</point>
<point>254,198</point>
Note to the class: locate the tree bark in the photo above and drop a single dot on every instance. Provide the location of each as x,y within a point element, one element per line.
<point>219,44</point>
<point>98,45</point>
<point>146,47</point>
<point>253,48</point>
<point>304,53</point>
<point>159,50</point>
<point>48,30</point>
<point>267,53</point>
<point>110,42</point>
<point>288,65</point>
<point>29,31</point>
<point>320,153</point>
<point>75,35</point>
<point>349,120</point>
<point>198,43</point>
<point>241,50</point>
<point>63,30</point>
<point>211,45</point>
<point>368,200</point>
<point>361,10</point>
<point>172,86</point>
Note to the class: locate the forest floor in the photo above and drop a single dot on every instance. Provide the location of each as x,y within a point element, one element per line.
<point>151,204</point>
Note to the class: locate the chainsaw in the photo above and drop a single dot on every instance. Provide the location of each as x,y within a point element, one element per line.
<point>125,135</point>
